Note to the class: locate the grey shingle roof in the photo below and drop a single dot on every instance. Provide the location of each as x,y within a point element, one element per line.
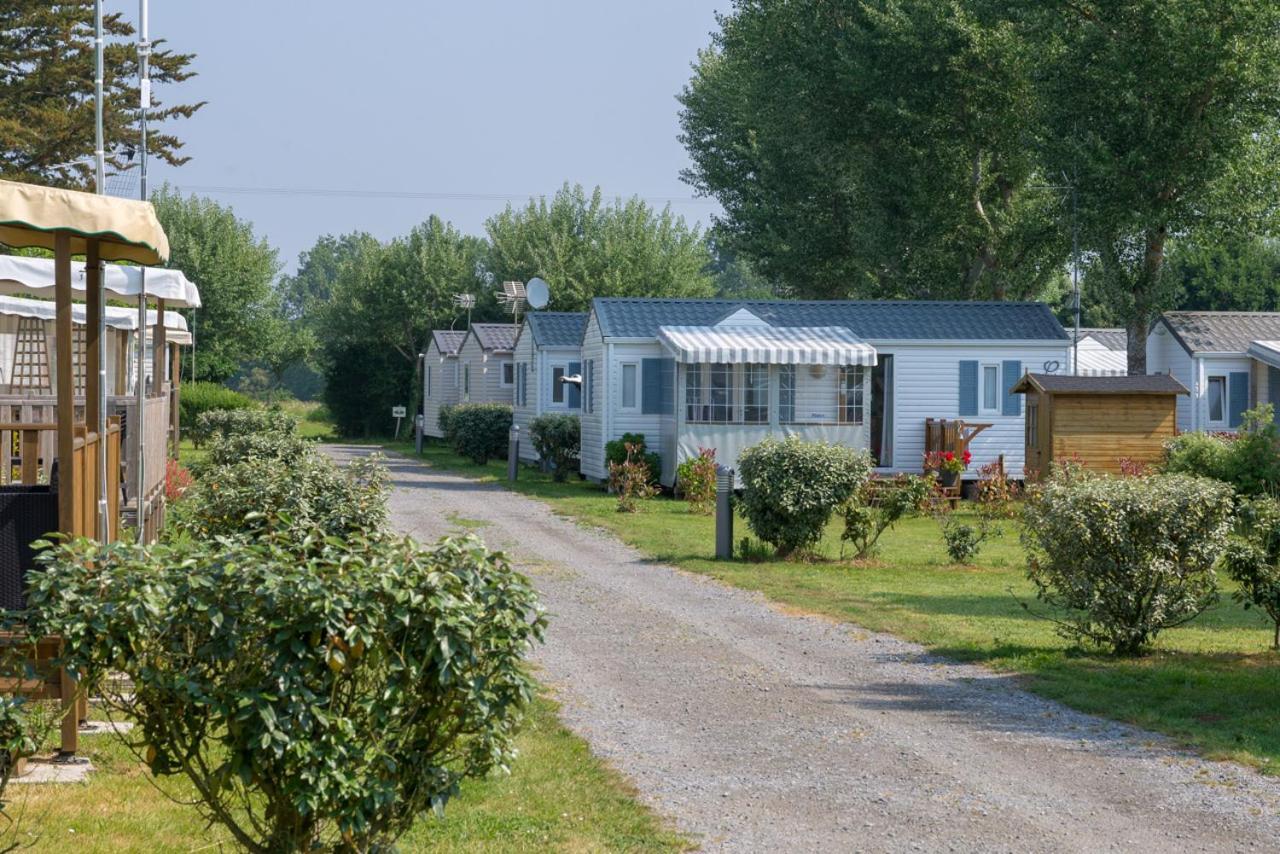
<point>1112,339</point>
<point>1067,384</point>
<point>557,328</point>
<point>883,320</point>
<point>448,340</point>
<point>1222,331</point>
<point>500,337</point>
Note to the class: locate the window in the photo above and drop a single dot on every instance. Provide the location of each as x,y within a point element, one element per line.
<point>508,374</point>
<point>787,393</point>
<point>693,394</point>
<point>629,375</point>
<point>1217,398</point>
<point>557,387</point>
<point>850,395</point>
<point>429,381</point>
<point>591,385</point>
<point>466,378</point>
<point>1033,425</point>
<point>755,394</point>
<point>721,394</point>
<point>990,388</point>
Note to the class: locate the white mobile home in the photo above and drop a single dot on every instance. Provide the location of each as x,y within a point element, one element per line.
<point>439,378</point>
<point>1230,360</point>
<point>1102,352</point>
<point>548,349</point>
<point>486,369</point>
<point>727,373</point>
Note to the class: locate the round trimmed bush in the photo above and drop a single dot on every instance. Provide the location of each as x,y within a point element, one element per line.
<point>557,438</point>
<point>479,431</point>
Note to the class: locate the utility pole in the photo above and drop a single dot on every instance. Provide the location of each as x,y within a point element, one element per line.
<point>1075,275</point>
<point>140,393</point>
<point>100,187</point>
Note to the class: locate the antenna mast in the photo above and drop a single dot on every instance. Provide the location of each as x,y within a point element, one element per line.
<point>140,393</point>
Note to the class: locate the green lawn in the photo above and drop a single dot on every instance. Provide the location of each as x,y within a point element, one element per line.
<point>1212,685</point>
<point>557,797</point>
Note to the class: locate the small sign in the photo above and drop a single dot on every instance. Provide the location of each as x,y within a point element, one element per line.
<point>397,412</point>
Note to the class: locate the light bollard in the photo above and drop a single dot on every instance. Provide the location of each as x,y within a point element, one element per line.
<point>513,452</point>
<point>417,438</point>
<point>724,513</point>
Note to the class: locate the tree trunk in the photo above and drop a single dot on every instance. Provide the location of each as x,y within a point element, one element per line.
<point>1145,287</point>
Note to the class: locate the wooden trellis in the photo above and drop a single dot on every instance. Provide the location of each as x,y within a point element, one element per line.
<point>31,357</point>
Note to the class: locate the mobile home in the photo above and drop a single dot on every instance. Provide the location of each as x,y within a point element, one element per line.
<point>487,371</point>
<point>547,351</point>
<point>439,377</point>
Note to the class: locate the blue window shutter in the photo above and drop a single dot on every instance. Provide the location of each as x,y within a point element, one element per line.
<point>1012,371</point>
<point>667,396</point>
<point>651,391</point>
<point>1238,396</point>
<point>968,387</point>
<point>573,393</point>
<point>1273,393</point>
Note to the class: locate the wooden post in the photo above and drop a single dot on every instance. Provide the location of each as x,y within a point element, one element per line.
<point>65,383</point>
<point>70,741</point>
<point>93,398</point>
<point>159,352</point>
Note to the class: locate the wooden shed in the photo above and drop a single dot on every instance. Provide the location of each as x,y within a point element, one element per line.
<point>1099,420</point>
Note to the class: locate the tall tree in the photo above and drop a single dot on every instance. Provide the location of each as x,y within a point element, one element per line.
<point>46,93</point>
<point>234,270</point>
<point>584,247</point>
<point>1166,114</point>
<point>309,289</point>
<point>1241,274</point>
<point>875,148</point>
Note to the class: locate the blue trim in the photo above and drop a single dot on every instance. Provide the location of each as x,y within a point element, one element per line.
<point>1012,371</point>
<point>968,387</point>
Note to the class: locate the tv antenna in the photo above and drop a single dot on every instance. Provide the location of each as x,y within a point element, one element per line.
<point>514,297</point>
<point>467,301</point>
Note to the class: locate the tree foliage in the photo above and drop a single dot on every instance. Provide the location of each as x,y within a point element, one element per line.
<point>46,93</point>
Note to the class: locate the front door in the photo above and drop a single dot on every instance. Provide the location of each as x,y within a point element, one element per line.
<point>882,411</point>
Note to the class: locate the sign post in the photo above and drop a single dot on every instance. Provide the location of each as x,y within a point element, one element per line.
<point>398,413</point>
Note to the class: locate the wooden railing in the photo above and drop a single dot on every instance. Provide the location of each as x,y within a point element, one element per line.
<point>27,467</point>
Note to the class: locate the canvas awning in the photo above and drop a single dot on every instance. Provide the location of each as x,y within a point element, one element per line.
<point>34,277</point>
<point>116,317</point>
<point>766,345</point>
<point>1266,352</point>
<point>127,230</point>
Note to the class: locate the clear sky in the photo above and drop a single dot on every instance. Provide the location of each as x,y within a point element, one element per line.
<point>490,98</point>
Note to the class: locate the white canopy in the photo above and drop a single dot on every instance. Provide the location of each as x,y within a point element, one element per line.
<point>34,277</point>
<point>116,317</point>
<point>767,345</point>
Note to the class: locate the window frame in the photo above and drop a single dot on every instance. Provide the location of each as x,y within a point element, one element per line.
<point>635,386</point>
<point>983,367</point>
<point>859,402</point>
<point>429,385</point>
<point>787,393</point>
<point>559,394</point>
<point>503,367</point>
<point>1223,400</point>
<point>466,378</point>
<point>750,391</point>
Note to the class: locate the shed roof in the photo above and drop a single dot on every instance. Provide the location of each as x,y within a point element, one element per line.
<point>1067,384</point>
<point>496,337</point>
<point>1112,339</point>
<point>870,320</point>
<point>557,328</point>
<point>448,341</point>
<point>1222,331</point>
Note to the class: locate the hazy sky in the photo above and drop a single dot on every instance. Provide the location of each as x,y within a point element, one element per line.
<point>489,98</point>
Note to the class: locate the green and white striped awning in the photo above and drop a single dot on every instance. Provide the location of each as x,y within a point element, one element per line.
<point>766,345</point>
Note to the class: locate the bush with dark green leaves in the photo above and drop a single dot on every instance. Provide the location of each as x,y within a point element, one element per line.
<point>615,453</point>
<point>557,438</point>
<point>200,397</point>
<point>445,421</point>
<point>964,540</point>
<point>479,431</point>
<point>1250,461</point>
<point>1199,454</point>
<point>1126,557</point>
<point>224,423</point>
<point>266,448</point>
<point>791,487</point>
<point>1252,560</point>
<point>315,704</point>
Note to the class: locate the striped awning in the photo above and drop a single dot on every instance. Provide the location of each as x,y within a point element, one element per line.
<point>766,345</point>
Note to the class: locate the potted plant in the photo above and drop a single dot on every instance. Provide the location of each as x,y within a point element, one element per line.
<point>948,465</point>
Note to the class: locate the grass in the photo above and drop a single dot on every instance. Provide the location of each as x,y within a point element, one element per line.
<point>557,797</point>
<point>1212,685</point>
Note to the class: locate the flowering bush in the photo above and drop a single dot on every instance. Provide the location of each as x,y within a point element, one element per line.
<point>697,480</point>
<point>947,461</point>
<point>631,479</point>
<point>997,494</point>
<point>176,480</point>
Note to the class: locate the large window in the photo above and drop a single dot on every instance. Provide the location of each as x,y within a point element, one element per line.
<point>990,388</point>
<point>787,394</point>
<point>851,391</point>
<point>755,394</point>
<point>1217,399</point>
<point>630,371</point>
<point>726,394</point>
<point>720,400</point>
<point>694,410</point>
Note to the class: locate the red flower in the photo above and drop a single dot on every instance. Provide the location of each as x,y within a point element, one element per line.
<point>949,456</point>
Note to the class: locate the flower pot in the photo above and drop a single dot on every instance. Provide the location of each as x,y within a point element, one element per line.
<point>948,478</point>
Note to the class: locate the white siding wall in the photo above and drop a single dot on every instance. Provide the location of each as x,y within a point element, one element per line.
<point>592,456</point>
<point>1166,356</point>
<point>444,388</point>
<point>1221,366</point>
<point>610,394</point>
<point>926,384</point>
<point>521,416</point>
<point>486,374</point>
<point>542,361</point>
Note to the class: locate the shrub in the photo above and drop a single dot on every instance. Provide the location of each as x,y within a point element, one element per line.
<point>631,480</point>
<point>1197,454</point>
<point>479,431</point>
<point>997,494</point>
<point>615,451</point>
<point>197,398</point>
<point>224,423</point>
<point>265,448</point>
<point>314,705</point>
<point>696,478</point>
<point>1252,560</point>
<point>791,487</point>
<point>445,421</point>
<point>177,480</point>
<point>964,540</point>
<point>878,506</point>
<point>1253,464</point>
<point>557,438</point>
<point>1126,557</point>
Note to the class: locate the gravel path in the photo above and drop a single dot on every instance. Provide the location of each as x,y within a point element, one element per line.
<point>759,730</point>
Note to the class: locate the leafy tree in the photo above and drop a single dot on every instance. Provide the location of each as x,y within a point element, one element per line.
<point>875,149</point>
<point>585,247</point>
<point>1165,113</point>
<point>46,93</point>
<point>306,291</point>
<point>234,270</point>
<point>1233,274</point>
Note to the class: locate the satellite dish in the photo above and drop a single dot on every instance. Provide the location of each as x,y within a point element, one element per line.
<point>537,293</point>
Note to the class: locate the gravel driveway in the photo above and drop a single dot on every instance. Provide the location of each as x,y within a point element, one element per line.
<point>758,730</point>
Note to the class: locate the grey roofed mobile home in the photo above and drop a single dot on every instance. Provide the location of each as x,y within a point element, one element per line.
<point>728,373</point>
<point>1102,352</point>
<point>548,349</point>
<point>439,377</point>
<point>1230,360</point>
<point>486,370</point>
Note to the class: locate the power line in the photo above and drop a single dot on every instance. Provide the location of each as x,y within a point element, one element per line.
<point>331,192</point>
